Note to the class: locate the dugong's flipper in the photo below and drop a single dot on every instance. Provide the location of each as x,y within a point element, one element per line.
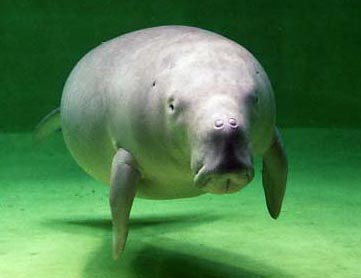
<point>274,175</point>
<point>124,178</point>
<point>47,126</point>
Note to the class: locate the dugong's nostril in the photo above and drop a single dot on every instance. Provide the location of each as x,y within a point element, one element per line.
<point>232,122</point>
<point>218,123</point>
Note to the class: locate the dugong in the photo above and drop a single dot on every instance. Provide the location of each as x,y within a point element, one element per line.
<point>170,112</point>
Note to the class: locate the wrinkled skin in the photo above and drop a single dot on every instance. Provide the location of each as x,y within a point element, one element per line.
<point>188,109</point>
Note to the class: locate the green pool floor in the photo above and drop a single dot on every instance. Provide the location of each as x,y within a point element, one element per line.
<point>55,219</point>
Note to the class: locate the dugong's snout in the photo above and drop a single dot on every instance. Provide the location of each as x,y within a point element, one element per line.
<point>226,165</point>
<point>220,182</point>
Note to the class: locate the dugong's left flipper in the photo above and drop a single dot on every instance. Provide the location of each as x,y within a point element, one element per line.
<point>124,179</point>
<point>49,124</point>
<point>274,175</point>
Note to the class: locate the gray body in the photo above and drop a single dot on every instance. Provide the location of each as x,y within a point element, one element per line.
<point>109,102</point>
<point>172,112</point>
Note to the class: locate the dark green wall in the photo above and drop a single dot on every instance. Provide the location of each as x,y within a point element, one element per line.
<point>310,49</point>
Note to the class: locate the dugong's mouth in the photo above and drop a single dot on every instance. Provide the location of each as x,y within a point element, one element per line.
<point>200,180</point>
<point>219,182</point>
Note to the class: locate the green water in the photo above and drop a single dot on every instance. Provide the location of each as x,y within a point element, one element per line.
<point>310,49</point>
<point>55,220</point>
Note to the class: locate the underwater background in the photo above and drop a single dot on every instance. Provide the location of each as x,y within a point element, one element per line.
<point>55,220</point>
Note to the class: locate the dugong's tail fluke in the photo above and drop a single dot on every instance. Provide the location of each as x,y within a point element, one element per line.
<point>49,124</point>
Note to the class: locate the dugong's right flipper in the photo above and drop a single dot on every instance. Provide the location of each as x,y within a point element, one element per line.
<point>124,179</point>
<point>274,175</point>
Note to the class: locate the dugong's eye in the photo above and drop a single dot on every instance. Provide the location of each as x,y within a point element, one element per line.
<point>171,107</point>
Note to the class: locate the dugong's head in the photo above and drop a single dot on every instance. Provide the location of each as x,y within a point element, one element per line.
<point>217,128</point>
<point>212,111</point>
<point>221,157</point>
